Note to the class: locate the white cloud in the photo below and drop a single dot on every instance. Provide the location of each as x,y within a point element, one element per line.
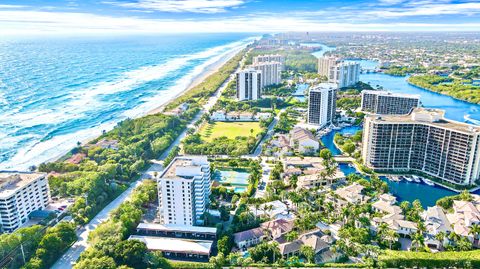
<point>22,22</point>
<point>428,10</point>
<point>195,6</point>
<point>11,6</point>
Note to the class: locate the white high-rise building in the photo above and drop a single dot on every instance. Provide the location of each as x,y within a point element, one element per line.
<point>271,72</point>
<point>21,193</point>
<point>338,71</point>
<point>322,104</point>
<point>249,84</point>
<point>424,142</point>
<point>269,58</point>
<point>183,190</point>
<point>384,102</point>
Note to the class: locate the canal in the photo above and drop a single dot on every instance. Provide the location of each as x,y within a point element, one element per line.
<point>455,109</point>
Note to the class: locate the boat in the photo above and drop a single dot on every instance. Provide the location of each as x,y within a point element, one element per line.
<point>395,178</point>
<point>428,181</point>
<point>408,179</point>
<point>416,179</point>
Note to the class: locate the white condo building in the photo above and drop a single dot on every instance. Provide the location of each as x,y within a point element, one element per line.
<point>384,102</point>
<point>322,104</point>
<point>269,58</point>
<point>271,72</point>
<point>249,84</point>
<point>425,142</point>
<point>338,71</point>
<point>183,190</point>
<point>21,193</point>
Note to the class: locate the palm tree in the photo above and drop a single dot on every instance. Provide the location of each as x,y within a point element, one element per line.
<point>441,237</point>
<point>475,231</point>
<point>391,237</point>
<point>257,206</point>
<point>417,241</point>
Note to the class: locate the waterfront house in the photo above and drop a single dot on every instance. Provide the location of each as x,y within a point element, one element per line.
<point>436,221</point>
<point>464,215</point>
<point>352,193</point>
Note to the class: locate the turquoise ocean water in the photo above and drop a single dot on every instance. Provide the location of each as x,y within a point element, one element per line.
<point>57,91</point>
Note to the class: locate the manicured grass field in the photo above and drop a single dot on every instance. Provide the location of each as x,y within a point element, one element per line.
<point>229,129</point>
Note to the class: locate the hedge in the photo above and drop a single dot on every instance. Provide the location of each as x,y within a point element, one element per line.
<point>458,259</point>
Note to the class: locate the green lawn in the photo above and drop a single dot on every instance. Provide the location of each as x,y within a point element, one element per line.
<point>229,129</point>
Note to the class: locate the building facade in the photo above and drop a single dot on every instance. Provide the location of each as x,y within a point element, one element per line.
<point>322,104</point>
<point>270,58</point>
<point>21,194</point>
<point>183,191</point>
<point>338,71</point>
<point>424,142</point>
<point>249,84</point>
<point>271,72</point>
<point>384,102</point>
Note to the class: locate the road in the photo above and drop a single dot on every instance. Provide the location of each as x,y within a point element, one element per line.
<point>73,253</point>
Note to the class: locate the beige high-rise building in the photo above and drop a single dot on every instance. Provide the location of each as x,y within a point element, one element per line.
<point>339,71</point>
<point>322,104</point>
<point>423,142</point>
<point>384,102</point>
<point>271,72</point>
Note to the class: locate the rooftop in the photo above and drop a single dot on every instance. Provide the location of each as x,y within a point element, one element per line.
<point>180,165</point>
<point>433,117</point>
<point>175,245</point>
<point>387,93</point>
<point>10,182</point>
<point>176,228</point>
<point>324,86</point>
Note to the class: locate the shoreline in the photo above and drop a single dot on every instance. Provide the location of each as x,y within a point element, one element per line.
<point>209,70</point>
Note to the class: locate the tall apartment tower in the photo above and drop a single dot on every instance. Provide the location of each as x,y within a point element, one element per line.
<point>183,190</point>
<point>21,193</point>
<point>271,72</point>
<point>384,102</point>
<point>338,71</point>
<point>423,142</point>
<point>249,84</point>
<point>322,104</point>
<point>270,58</point>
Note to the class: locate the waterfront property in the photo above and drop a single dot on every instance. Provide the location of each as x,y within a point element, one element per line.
<point>384,102</point>
<point>424,142</point>
<point>249,84</point>
<point>343,73</point>
<point>322,104</point>
<point>303,140</point>
<point>183,190</point>
<point>21,193</point>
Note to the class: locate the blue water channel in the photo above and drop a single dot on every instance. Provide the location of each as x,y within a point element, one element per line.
<point>455,109</point>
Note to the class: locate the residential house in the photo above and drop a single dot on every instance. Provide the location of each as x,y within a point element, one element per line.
<point>248,238</point>
<point>464,215</point>
<point>436,222</point>
<point>303,140</point>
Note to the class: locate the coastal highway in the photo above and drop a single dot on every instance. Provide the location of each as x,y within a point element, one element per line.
<point>73,253</point>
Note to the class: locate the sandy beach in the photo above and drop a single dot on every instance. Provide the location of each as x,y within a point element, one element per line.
<point>198,79</point>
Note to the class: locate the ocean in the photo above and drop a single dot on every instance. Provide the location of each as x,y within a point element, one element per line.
<point>57,91</point>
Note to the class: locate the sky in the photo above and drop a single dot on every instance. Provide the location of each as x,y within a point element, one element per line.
<point>30,17</point>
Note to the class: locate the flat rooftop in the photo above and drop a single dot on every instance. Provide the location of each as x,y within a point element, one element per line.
<point>433,117</point>
<point>324,86</point>
<point>387,93</point>
<point>186,161</point>
<point>164,244</point>
<point>12,181</point>
<point>176,228</point>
